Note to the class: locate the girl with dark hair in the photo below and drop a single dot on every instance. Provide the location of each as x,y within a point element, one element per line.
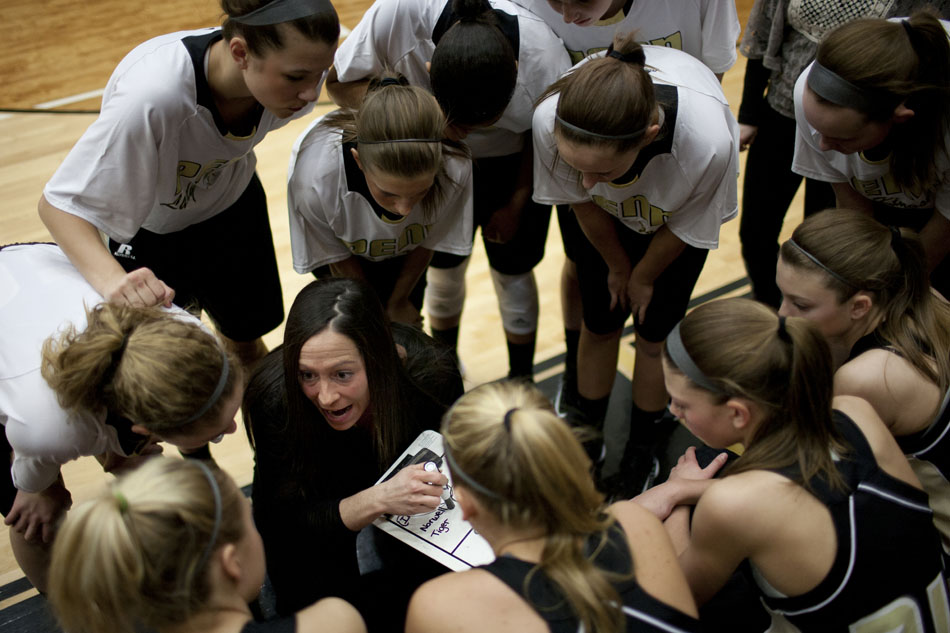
<point>486,62</point>
<point>706,29</point>
<point>373,192</point>
<point>564,560</point>
<point>822,505</point>
<point>168,167</point>
<point>327,413</point>
<point>865,287</point>
<point>873,115</point>
<point>641,143</point>
<point>171,547</point>
<point>81,377</point>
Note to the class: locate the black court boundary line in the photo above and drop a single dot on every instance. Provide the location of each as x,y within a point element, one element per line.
<point>21,585</point>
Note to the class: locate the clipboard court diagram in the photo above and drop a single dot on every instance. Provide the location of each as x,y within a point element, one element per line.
<point>442,534</point>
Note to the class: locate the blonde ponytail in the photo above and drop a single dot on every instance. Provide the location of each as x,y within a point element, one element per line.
<point>506,437</point>
<point>137,554</point>
<point>144,364</point>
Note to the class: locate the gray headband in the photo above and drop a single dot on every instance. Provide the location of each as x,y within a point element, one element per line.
<point>399,140</point>
<point>216,494</point>
<point>838,90</point>
<point>818,263</point>
<point>216,394</point>
<point>461,475</point>
<point>684,362</point>
<point>280,11</point>
<point>610,137</point>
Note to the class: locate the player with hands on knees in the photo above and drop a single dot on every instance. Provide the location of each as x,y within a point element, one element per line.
<point>374,192</point>
<point>486,62</point>
<point>648,161</point>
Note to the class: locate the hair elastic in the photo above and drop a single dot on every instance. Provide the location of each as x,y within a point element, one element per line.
<point>684,362</point>
<point>218,390</point>
<point>280,11</point>
<point>507,420</point>
<point>909,29</point>
<point>821,265</point>
<point>121,501</point>
<point>611,137</point>
<point>838,90</point>
<point>216,493</point>
<point>629,58</point>
<point>782,331</point>
<point>458,473</point>
<point>896,238</point>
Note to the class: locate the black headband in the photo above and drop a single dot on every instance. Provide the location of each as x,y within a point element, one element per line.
<point>280,11</point>
<point>839,91</point>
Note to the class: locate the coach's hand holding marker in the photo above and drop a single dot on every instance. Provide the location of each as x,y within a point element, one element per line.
<point>446,495</point>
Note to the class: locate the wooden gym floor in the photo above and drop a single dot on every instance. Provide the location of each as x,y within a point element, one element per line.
<point>55,58</point>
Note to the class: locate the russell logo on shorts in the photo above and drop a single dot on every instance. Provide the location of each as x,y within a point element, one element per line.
<point>124,250</point>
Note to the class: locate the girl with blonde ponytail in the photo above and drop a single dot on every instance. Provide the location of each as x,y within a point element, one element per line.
<point>866,288</point>
<point>81,377</point>
<point>170,547</point>
<point>564,559</point>
<point>374,192</point>
<point>821,504</point>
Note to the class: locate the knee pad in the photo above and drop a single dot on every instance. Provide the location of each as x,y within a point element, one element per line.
<point>517,301</point>
<point>445,290</point>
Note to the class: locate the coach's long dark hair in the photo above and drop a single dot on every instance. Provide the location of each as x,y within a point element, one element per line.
<point>351,308</point>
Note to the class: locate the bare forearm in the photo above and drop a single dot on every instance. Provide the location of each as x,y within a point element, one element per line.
<point>598,226</point>
<point>361,509</point>
<point>81,242</point>
<point>663,249</point>
<point>677,526</point>
<point>349,268</point>
<point>346,94</point>
<point>412,269</point>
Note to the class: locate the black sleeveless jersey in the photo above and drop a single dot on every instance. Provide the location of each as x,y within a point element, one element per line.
<point>644,613</point>
<point>888,572</point>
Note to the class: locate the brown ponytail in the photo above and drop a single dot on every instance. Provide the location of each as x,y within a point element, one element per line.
<point>784,367</point>
<point>891,268</point>
<point>607,96</point>
<point>909,61</point>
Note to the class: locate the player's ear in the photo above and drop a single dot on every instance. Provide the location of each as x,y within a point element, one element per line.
<point>356,157</point>
<point>237,47</point>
